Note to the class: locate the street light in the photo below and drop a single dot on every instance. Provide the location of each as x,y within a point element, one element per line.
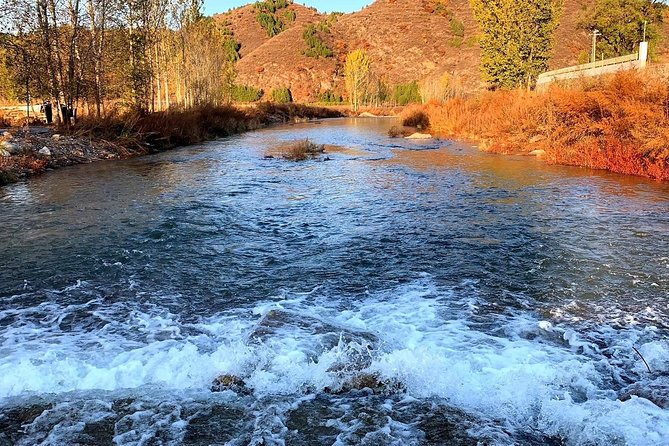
<point>595,33</point>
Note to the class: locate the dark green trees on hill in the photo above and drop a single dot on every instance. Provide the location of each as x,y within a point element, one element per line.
<point>269,17</point>
<point>517,39</point>
<point>621,24</point>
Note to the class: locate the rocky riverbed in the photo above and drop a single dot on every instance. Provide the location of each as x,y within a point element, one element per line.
<point>26,152</point>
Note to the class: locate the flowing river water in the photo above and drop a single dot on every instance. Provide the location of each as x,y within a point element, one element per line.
<point>399,293</point>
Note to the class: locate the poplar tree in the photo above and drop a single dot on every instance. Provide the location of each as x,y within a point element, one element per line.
<point>517,39</point>
<point>357,73</point>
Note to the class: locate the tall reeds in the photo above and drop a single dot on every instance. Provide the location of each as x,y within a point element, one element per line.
<point>619,123</point>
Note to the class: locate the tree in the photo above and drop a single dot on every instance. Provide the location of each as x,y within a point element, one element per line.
<point>517,39</point>
<point>357,73</point>
<point>621,24</point>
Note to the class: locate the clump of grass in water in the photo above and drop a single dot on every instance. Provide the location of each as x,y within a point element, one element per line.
<point>302,151</point>
<point>400,131</point>
<point>416,117</point>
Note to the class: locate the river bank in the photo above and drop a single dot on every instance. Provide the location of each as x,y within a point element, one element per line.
<point>618,123</point>
<point>24,153</point>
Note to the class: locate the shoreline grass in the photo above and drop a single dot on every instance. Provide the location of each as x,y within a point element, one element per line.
<point>618,123</point>
<point>130,135</point>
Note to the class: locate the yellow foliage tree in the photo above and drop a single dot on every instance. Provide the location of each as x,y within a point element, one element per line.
<point>357,72</point>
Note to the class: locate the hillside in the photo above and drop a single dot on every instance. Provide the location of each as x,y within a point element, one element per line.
<point>407,40</point>
<point>243,24</point>
<point>570,39</point>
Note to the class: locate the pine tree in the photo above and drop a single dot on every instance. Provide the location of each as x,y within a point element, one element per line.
<point>517,39</point>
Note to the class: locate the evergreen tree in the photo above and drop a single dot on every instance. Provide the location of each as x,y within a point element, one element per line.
<point>517,39</point>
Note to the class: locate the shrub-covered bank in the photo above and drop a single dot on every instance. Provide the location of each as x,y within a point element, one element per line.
<point>118,137</point>
<point>618,123</point>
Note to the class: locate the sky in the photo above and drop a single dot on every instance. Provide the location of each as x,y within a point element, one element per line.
<point>214,6</point>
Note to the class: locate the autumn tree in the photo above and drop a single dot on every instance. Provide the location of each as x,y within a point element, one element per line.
<point>357,72</point>
<point>144,55</point>
<point>517,39</point>
<point>621,24</point>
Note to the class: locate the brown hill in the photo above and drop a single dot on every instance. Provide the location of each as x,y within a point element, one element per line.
<point>248,32</point>
<point>305,76</point>
<point>413,39</point>
<point>407,40</point>
<point>570,39</point>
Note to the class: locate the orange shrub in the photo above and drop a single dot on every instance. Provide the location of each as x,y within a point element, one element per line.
<point>619,123</point>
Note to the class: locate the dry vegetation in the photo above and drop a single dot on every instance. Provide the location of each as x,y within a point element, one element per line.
<point>165,130</point>
<point>123,136</point>
<point>302,150</point>
<point>618,123</point>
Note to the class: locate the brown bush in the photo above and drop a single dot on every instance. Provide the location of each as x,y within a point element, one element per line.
<point>619,123</point>
<point>397,131</point>
<point>415,117</point>
<point>302,150</point>
<point>168,129</point>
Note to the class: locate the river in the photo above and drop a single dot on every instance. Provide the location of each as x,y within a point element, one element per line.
<point>398,293</point>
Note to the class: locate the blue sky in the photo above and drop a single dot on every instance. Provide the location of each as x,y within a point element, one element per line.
<point>214,6</point>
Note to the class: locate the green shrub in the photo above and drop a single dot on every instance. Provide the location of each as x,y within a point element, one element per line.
<point>405,94</point>
<point>271,6</point>
<point>267,15</point>
<point>270,23</point>
<point>329,97</point>
<point>457,27</point>
<point>282,95</point>
<point>315,46</point>
<point>290,16</point>
<point>231,48</point>
<point>245,93</point>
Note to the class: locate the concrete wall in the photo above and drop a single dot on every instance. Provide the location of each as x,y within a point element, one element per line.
<point>599,68</point>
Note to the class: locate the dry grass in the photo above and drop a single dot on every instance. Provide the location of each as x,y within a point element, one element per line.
<point>123,136</point>
<point>165,130</point>
<point>618,123</point>
<point>415,117</point>
<point>4,122</point>
<point>398,131</point>
<point>302,150</point>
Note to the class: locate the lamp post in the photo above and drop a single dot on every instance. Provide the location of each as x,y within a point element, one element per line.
<point>595,33</point>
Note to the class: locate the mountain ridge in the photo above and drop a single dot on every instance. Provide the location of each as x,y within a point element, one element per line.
<point>407,40</point>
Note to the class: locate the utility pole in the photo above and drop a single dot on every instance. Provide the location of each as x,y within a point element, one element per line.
<point>595,33</point>
<point>645,25</point>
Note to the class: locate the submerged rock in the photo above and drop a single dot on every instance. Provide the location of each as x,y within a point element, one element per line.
<point>230,382</point>
<point>419,136</point>
<point>367,115</point>
<point>8,147</point>
<point>657,392</point>
<point>538,153</point>
<point>331,335</point>
<point>370,381</point>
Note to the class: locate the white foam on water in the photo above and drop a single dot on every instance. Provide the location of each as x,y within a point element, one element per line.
<point>557,384</point>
